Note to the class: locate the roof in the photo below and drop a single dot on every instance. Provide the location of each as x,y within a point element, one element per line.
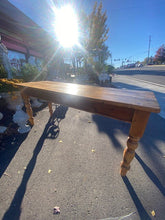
<point>15,21</point>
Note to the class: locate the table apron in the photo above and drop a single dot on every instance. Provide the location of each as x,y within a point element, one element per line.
<point>84,104</point>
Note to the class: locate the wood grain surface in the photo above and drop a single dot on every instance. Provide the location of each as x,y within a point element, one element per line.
<point>65,92</point>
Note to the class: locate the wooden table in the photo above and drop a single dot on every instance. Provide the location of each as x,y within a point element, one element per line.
<point>126,105</point>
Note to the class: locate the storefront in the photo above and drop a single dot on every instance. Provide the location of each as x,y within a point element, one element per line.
<point>25,41</point>
<point>19,53</point>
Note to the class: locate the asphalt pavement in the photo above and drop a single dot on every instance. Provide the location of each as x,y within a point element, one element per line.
<point>150,78</point>
<point>151,73</point>
<point>73,160</point>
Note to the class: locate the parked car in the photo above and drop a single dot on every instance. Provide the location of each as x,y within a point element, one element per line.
<point>131,65</point>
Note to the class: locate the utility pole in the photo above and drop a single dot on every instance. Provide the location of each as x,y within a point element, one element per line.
<point>149,49</point>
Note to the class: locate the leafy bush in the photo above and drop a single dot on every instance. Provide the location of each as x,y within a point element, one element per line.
<point>81,70</point>
<point>14,73</point>
<point>93,77</point>
<point>8,85</point>
<point>3,73</point>
<point>31,73</point>
<point>109,68</point>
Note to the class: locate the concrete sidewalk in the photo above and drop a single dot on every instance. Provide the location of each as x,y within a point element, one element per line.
<point>73,163</point>
<point>128,82</point>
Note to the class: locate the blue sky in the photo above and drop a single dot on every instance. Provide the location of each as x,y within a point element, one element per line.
<point>131,22</point>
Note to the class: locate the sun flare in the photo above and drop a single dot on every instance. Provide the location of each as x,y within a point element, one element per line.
<point>66,26</point>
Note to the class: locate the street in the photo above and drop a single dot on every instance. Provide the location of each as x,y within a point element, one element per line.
<point>150,78</point>
<point>151,73</point>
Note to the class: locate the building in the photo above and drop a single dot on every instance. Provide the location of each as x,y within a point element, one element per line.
<point>25,40</point>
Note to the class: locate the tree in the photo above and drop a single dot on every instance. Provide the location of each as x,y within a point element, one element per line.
<point>55,62</point>
<point>109,68</point>
<point>90,57</point>
<point>160,55</point>
<point>147,61</point>
<point>94,34</point>
<point>98,34</point>
<point>97,29</point>
<point>144,62</point>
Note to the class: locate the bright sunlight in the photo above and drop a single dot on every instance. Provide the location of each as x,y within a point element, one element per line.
<point>66,26</point>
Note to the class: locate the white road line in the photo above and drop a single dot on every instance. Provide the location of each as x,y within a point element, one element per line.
<point>139,83</point>
<point>123,82</point>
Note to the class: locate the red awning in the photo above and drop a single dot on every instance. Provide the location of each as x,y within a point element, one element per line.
<point>12,46</point>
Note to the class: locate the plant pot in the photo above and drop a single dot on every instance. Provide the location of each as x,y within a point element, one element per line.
<point>2,128</point>
<point>12,99</point>
<point>20,118</point>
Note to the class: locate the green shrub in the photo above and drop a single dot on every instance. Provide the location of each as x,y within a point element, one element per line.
<point>93,77</point>
<point>3,73</point>
<point>109,68</point>
<point>31,73</point>
<point>14,73</point>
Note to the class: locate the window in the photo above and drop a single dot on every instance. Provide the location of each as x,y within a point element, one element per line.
<point>35,61</point>
<point>17,59</point>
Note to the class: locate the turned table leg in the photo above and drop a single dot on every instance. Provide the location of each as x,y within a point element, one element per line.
<point>50,108</point>
<point>138,125</point>
<point>29,110</point>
